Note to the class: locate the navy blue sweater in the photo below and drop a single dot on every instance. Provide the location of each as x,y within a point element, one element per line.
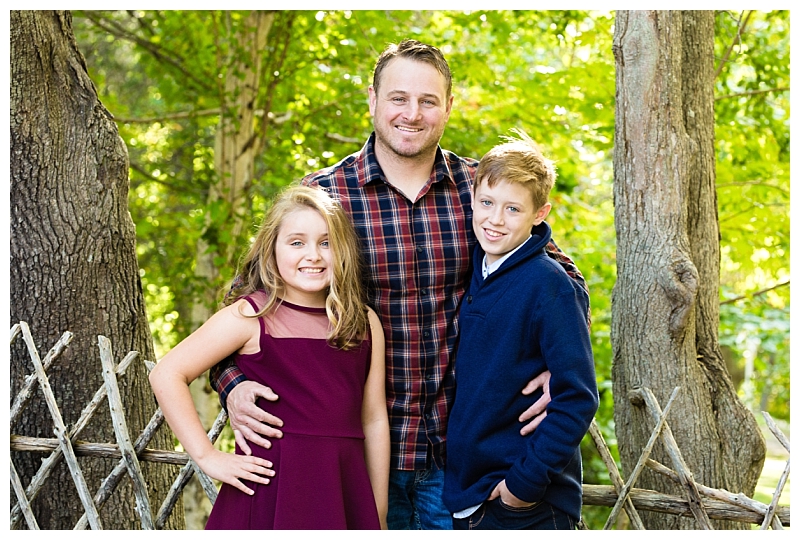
<point>526,317</point>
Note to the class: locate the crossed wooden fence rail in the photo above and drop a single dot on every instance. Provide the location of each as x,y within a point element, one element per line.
<point>701,502</point>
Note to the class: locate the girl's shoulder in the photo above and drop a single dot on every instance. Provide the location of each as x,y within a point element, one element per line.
<point>373,317</point>
<point>252,303</point>
<point>246,306</point>
<point>375,326</point>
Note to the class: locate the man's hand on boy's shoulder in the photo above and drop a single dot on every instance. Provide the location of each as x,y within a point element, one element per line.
<point>537,411</point>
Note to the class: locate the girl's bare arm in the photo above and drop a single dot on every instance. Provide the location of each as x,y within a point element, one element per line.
<point>375,421</point>
<point>224,333</point>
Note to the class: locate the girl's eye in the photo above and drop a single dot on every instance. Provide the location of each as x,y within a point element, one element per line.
<point>325,244</point>
<point>296,243</point>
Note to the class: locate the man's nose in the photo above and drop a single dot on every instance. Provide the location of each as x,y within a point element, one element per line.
<point>412,111</point>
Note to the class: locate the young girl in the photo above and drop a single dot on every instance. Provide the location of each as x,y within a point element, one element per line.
<point>299,323</point>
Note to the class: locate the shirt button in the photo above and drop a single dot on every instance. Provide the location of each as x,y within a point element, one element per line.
<point>419,249</point>
<point>426,334</point>
<point>424,291</point>
<point>469,299</point>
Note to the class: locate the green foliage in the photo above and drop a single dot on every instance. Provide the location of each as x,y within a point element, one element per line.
<point>752,140</point>
<point>548,72</point>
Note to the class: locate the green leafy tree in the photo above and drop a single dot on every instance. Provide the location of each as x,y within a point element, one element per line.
<point>161,74</point>
<point>752,130</point>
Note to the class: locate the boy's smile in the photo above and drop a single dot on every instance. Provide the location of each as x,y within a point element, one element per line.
<point>503,216</point>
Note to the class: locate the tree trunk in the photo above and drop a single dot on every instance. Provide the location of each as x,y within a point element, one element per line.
<point>73,263</point>
<point>238,144</point>
<point>665,308</point>
<point>742,447</point>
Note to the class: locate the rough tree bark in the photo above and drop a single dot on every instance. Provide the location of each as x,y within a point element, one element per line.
<point>73,262</point>
<point>665,308</point>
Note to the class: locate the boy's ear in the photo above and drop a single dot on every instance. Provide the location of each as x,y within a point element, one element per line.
<point>542,213</point>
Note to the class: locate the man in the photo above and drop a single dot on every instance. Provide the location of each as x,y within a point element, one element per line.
<point>410,202</point>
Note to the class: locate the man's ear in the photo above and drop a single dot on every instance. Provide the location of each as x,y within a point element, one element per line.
<point>373,99</point>
<point>542,213</point>
<point>448,108</point>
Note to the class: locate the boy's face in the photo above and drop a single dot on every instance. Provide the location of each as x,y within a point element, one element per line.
<point>503,216</point>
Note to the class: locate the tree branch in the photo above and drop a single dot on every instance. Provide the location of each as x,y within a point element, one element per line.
<point>746,210</point>
<point>171,116</point>
<point>159,53</point>
<point>147,177</point>
<point>753,92</point>
<point>754,183</point>
<point>342,139</point>
<point>757,293</point>
<point>282,40</point>
<point>737,39</point>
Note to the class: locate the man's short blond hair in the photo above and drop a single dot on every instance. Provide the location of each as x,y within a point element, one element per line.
<point>417,51</point>
<point>519,161</point>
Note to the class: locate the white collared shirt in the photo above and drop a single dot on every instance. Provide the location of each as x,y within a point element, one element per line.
<point>488,269</point>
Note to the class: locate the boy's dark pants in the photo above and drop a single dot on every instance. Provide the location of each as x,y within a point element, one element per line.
<point>494,515</point>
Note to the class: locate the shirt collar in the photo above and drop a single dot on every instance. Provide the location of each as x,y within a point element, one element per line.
<point>488,269</point>
<point>373,172</point>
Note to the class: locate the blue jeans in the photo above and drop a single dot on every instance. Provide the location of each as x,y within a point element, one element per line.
<point>415,500</point>
<point>494,515</point>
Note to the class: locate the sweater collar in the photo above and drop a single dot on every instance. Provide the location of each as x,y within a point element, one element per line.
<point>533,246</point>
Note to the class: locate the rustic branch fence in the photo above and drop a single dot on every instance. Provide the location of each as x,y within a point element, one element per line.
<point>701,502</point>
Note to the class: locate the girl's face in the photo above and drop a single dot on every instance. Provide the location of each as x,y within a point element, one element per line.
<point>304,258</point>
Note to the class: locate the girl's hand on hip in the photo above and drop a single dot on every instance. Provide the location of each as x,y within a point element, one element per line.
<point>233,468</point>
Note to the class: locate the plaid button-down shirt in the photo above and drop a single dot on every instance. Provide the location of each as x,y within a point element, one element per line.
<point>418,259</point>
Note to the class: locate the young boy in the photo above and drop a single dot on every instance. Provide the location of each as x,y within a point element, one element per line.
<point>522,315</point>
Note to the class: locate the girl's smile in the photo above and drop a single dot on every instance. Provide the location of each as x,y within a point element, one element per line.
<point>304,258</point>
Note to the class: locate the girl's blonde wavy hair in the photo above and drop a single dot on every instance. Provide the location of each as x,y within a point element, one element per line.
<point>345,304</point>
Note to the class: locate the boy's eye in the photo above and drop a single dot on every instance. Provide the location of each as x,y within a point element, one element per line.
<point>486,203</point>
<point>513,209</point>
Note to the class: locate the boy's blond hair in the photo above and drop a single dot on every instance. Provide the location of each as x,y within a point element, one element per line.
<point>518,161</point>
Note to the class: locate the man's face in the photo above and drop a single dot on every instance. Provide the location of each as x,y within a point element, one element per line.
<point>411,109</point>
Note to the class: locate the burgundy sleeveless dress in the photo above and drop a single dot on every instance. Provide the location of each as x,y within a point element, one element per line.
<point>321,479</point>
